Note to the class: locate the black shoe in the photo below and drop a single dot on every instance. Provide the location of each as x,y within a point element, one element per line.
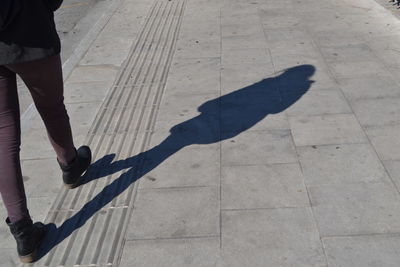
<point>28,237</point>
<point>72,172</point>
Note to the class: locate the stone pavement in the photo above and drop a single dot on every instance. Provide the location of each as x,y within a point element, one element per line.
<point>228,133</point>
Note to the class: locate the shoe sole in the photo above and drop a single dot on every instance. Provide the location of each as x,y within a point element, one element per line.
<point>28,258</point>
<point>72,186</point>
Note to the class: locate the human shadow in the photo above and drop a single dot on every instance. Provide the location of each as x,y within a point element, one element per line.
<point>219,119</point>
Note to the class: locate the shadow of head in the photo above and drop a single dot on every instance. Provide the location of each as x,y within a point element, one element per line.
<point>241,109</point>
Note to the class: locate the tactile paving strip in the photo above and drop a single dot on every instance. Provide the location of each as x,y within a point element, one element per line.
<point>91,220</point>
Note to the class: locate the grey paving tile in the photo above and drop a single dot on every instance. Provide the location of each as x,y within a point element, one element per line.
<point>93,74</point>
<point>235,17</point>
<point>393,168</point>
<point>206,29</point>
<point>276,8</point>
<point>172,252</point>
<point>332,37</point>
<point>378,111</point>
<point>379,44</point>
<point>195,48</point>
<point>36,145</point>
<point>107,50</point>
<point>305,47</point>
<point>318,102</point>
<point>276,22</point>
<point>289,60</point>
<point>356,209</point>
<point>375,29</point>
<point>175,213</point>
<point>86,92</point>
<point>385,140</point>
<point>350,52</point>
<point>391,59</point>
<point>389,55</point>
<point>81,123</point>
<point>194,76</point>
<point>126,25</point>
<point>323,26</point>
<point>239,76</point>
<point>6,239</point>
<point>234,121</point>
<point>210,12</point>
<point>44,181</point>
<point>261,186</point>
<point>369,87</point>
<point>376,250</point>
<point>187,167</point>
<point>40,206</point>
<point>351,69</point>
<point>273,237</point>
<point>326,130</point>
<point>341,164</point>
<point>185,106</point>
<point>293,85</point>
<point>25,100</point>
<point>239,56</point>
<point>286,34</point>
<point>128,22</point>
<point>261,147</point>
<point>199,134</point>
<point>246,41</point>
<point>241,29</point>
<point>9,257</point>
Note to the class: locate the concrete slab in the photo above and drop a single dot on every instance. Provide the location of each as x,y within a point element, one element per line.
<point>246,41</point>
<point>341,164</point>
<point>230,30</point>
<point>93,74</point>
<point>239,76</point>
<point>319,102</point>
<point>326,130</point>
<point>184,76</point>
<point>377,111</point>
<point>282,237</point>
<point>358,68</point>
<point>187,167</point>
<point>356,209</point>
<point>86,92</point>
<point>260,147</point>
<point>369,87</point>
<point>9,257</point>
<point>304,47</point>
<point>172,252</point>
<point>385,140</point>
<point>110,51</point>
<point>393,168</point>
<point>177,213</point>
<point>186,106</point>
<point>42,182</point>
<point>240,56</point>
<point>261,186</point>
<point>374,250</point>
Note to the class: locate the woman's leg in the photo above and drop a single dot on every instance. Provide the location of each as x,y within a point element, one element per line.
<point>11,183</point>
<point>45,82</point>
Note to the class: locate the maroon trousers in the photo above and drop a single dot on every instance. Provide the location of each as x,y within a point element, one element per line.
<point>44,80</point>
